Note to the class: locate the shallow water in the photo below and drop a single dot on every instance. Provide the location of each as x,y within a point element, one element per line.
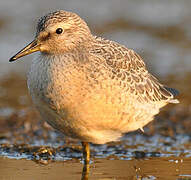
<point>102,169</point>
<point>160,32</point>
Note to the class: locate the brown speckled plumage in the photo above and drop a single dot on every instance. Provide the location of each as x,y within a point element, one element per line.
<point>90,88</point>
<point>129,69</point>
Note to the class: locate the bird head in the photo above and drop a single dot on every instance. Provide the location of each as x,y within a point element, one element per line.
<point>58,32</point>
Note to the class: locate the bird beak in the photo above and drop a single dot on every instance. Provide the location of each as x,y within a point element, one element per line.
<point>30,48</point>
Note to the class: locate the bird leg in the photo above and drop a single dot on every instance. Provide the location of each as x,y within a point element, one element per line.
<point>86,152</point>
<point>85,172</point>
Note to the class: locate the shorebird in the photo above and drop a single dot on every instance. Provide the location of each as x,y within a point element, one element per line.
<point>87,87</point>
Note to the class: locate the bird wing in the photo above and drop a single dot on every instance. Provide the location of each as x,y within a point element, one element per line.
<point>129,68</point>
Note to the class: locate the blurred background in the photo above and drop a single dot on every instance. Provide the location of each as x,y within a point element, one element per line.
<point>160,31</point>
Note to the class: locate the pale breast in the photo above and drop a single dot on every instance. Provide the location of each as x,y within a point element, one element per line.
<point>83,101</point>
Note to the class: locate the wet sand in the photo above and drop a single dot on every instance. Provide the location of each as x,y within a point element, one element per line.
<point>102,169</point>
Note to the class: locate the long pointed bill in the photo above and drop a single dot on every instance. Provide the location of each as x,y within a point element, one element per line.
<point>30,48</point>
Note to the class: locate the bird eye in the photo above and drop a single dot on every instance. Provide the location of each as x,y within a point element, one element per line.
<point>59,31</point>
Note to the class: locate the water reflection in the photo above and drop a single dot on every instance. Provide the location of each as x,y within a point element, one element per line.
<point>85,172</point>
<point>146,168</point>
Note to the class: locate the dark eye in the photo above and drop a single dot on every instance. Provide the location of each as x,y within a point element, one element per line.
<point>59,31</point>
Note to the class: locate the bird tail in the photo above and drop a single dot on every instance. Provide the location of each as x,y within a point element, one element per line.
<point>175,93</point>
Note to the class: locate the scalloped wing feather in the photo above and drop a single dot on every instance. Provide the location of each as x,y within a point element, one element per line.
<point>128,67</point>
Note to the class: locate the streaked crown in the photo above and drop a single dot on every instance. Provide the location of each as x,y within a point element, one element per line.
<point>58,17</point>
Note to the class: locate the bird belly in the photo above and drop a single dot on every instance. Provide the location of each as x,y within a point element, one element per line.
<point>97,116</point>
<point>94,109</point>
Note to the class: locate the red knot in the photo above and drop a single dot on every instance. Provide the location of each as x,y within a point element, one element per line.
<point>87,87</point>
